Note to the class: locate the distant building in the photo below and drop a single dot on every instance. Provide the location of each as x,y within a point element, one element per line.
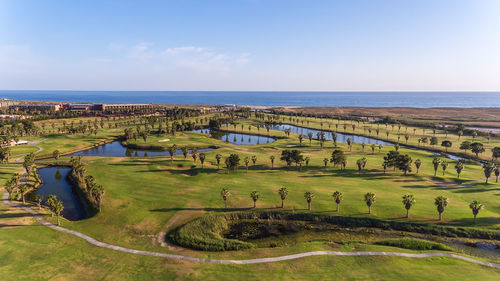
<point>7,102</point>
<point>78,107</point>
<point>19,142</point>
<point>112,106</point>
<point>39,106</point>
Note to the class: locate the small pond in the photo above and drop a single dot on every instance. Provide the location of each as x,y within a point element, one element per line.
<point>116,149</point>
<point>55,182</point>
<point>340,136</point>
<point>236,138</point>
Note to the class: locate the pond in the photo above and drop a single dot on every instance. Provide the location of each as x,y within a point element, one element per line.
<point>116,149</point>
<point>340,136</point>
<point>55,182</point>
<point>236,138</point>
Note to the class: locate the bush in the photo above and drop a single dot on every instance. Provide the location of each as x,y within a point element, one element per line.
<point>204,233</point>
<point>414,244</point>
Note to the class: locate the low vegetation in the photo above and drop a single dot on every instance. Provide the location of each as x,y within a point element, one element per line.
<point>414,244</point>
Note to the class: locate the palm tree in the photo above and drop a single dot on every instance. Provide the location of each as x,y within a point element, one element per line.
<point>408,201</point>
<point>185,151</point>
<point>56,154</point>
<point>23,189</point>
<point>301,138</point>
<point>338,197</point>
<point>436,161</point>
<point>254,159</point>
<point>444,165</point>
<point>369,200</point>
<point>488,169</point>
<point>247,161</point>
<point>310,136</point>
<point>361,164</point>
<point>440,202</point>
<point>475,206</point>
<point>309,197</point>
<point>272,161</point>
<point>255,196</point>
<point>171,150</point>
<point>218,157</point>
<point>459,167</point>
<point>283,193</point>
<point>202,159</point>
<point>38,199</point>
<point>307,160</point>
<point>57,208</point>
<point>225,194</point>
<point>417,163</point>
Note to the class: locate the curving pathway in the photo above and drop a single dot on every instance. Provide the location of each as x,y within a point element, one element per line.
<point>92,241</point>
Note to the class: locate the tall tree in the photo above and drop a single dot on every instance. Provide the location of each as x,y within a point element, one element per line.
<point>283,192</point>
<point>417,163</point>
<point>444,165</point>
<point>255,196</point>
<point>254,159</point>
<point>225,194</point>
<point>202,159</point>
<point>310,136</point>
<point>476,148</point>
<point>309,197</point>
<point>495,153</point>
<point>408,201</point>
<point>459,167</point>
<point>349,143</point>
<point>338,197</point>
<point>440,202</point>
<point>436,162</point>
<point>57,208</point>
<point>446,144</point>
<point>38,199</point>
<point>218,157</point>
<point>488,168</point>
<point>338,157</point>
<point>56,154</point>
<point>475,206</point>
<point>465,145</point>
<point>369,200</point>
<point>171,150</point>
<point>185,151</point>
<point>361,163</point>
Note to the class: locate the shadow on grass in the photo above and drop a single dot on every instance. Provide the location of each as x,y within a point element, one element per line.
<point>480,221</point>
<point>14,215</point>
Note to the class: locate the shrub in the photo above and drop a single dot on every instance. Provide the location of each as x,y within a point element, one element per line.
<point>204,233</point>
<point>414,244</point>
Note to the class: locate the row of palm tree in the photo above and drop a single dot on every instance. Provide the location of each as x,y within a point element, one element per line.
<point>369,198</point>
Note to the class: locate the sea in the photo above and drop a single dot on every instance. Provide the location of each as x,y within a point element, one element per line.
<point>355,99</point>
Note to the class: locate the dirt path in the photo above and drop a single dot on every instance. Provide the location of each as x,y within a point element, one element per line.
<point>97,243</point>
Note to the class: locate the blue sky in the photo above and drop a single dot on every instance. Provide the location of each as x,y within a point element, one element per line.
<point>298,45</point>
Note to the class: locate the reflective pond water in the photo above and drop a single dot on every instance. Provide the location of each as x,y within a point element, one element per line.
<point>236,138</point>
<point>340,136</point>
<point>116,149</point>
<point>54,182</point>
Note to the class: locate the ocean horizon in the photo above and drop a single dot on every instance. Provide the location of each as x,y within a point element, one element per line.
<point>267,98</point>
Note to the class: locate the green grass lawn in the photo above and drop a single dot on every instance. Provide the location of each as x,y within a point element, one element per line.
<point>143,194</point>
